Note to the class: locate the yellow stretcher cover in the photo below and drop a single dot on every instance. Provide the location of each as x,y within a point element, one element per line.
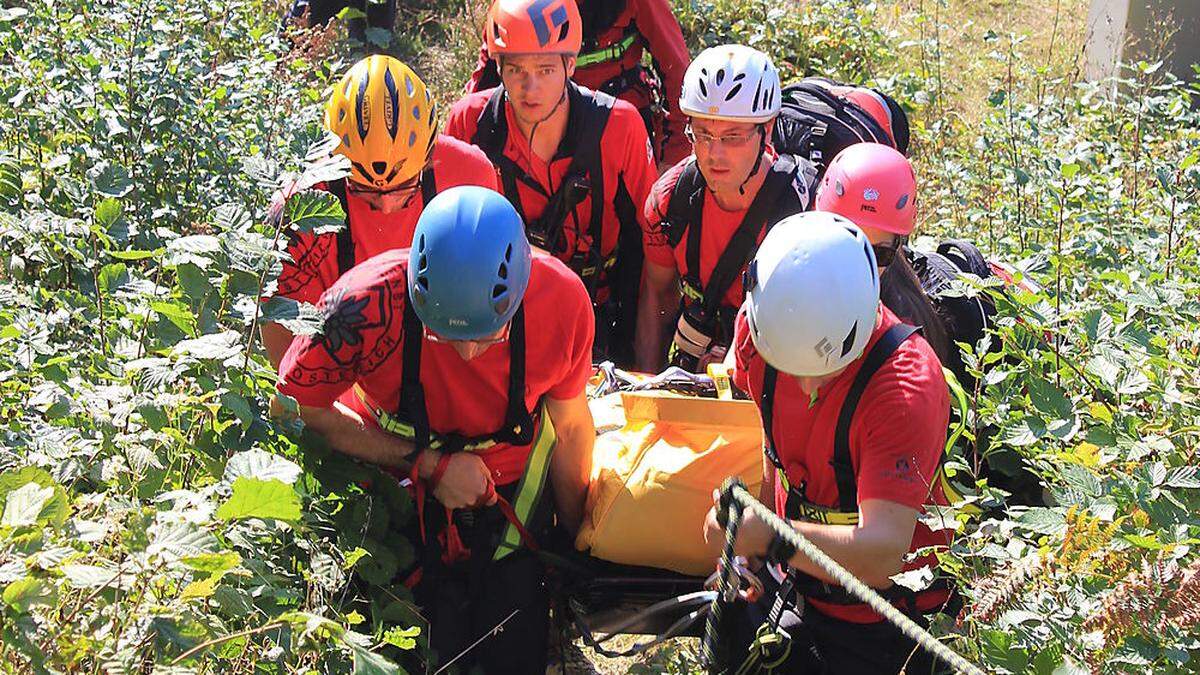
<point>658,458</point>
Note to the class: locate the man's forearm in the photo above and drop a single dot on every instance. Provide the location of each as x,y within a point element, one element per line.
<point>865,554</point>
<point>346,431</point>
<point>652,329</point>
<point>571,474</point>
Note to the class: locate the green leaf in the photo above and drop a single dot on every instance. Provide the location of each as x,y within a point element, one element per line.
<point>132,254</point>
<point>1024,432</point>
<point>315,212</point>
<point>213,563</point>
<point>354,556</point>
<point>1043,520</point>
<point>1185,477</point>
<point>93,576</point>
<point>201,589</point>
<point>1049,399</point>
<point>113,180</point>
<point>239,406</point>
<point>261,465</point>
<point>177,313</point>
<point>113,277</point>
<point>8,14</point>
<point>348,13</point>
<point>1069,170</point>
<point>380,37</point>
<point>404,638</point>
<point>254,498</point>
<point>55,512</point>
<point>367,662</point>
<point>1144,541</point>
<point>23,506</point>
<point>26,593</point>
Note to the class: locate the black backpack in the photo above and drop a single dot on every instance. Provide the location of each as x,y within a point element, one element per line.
<point>820,118</point>
<point>966,318</point>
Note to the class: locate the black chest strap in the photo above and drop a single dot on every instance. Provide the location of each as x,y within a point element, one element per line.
<point>842,462</point>
<point>518,422</point>
<point>774,201</point>
<point>347,257</point>
<point>588,119</point>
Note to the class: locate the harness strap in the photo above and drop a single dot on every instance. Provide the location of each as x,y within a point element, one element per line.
<point>346,255</point>
<point>613,52</point>
<point>590,113</point>
<point>843,466</point>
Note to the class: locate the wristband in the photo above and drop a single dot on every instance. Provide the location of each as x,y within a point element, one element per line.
<point>439,470</point>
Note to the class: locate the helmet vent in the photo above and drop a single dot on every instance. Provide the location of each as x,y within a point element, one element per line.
<point>733,92</point>
<point>379,167</point>
<point>499,290</point>
<point>508,254</point>
<point>421,249</point>
<point>417,113</point>
<point>408,85</point>
<point>503,271</point>
<point>903,202</point>
<point>721,78</point>
<point>562,33</point>
<point>739,76</point>
<point>501,304</point>
<point>757,96</point>
<point>423,283</point>
<point>839,188</point>
<point>848,343</point>
<point>703,89</point>
<point>412,138</point>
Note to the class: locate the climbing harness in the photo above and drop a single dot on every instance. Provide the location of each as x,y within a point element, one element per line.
<point>771,648</point>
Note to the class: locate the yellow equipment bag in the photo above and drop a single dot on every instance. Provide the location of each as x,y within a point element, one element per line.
<point>658,458</point>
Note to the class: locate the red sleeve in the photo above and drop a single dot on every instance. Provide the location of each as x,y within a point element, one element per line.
<point>579,330</point>
<point>658,24</point>
<point>360,330</point>
<point>899,430</point>
<point>743,354</point>
<point>463,164</point>
<point>459,123</point>
<point>654,235</point>
<point>311,267</point>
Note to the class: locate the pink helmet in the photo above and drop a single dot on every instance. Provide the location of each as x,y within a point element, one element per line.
<point>873,185</point>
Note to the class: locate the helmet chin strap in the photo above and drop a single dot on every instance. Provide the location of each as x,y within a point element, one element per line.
<point>762,147</point>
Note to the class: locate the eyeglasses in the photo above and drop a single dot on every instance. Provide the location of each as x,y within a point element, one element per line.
<point>502,336</point>
<point>728,140</point>
<point>410,188</point>
<point>885,254</point>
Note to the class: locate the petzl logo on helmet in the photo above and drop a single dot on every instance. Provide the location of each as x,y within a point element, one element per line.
<point>545,19</point>
<point>871,195</point>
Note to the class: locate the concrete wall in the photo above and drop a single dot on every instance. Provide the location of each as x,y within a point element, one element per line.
<point>1133,30</point>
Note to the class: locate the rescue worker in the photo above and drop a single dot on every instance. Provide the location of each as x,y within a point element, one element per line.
<point>463,361</point>
<point>616,33</point>
<point>707,214</point>
<point>387,122</point>
<point>577,164</point>
<point>874,186</point>
<point>855,412</point>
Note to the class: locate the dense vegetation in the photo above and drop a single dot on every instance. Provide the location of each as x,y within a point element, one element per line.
<point>153,517</point>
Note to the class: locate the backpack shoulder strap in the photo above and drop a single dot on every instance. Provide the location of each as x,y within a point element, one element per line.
<point>345,240</point>
<point>428,185</point>
<point>842,463</point>
<point>491,129</point>
<point>770,200</point>
<point>412,393</point>
<point>590,158</point>
<point>686,204</point>
<point>766,406</point>
<point>518,422</point>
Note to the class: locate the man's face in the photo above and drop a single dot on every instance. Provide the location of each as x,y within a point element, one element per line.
<point>535,83</point>
<point>470,349</point>
<point>725,151</point>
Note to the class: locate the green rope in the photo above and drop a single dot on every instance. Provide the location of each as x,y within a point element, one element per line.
<point>732,511</point>
<point>735,493</point>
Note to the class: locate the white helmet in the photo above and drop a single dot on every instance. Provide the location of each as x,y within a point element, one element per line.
<point>731,82</point>
<point>812,294</point>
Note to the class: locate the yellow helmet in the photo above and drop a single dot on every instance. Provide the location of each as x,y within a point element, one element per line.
<point>386,119</point>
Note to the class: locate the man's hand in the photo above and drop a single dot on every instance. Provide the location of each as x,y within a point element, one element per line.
<point>466,482</point>
<point>753,535</point>
<point>715,354</point>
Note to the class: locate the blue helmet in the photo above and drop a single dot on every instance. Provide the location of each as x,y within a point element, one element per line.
<point>469,265</point>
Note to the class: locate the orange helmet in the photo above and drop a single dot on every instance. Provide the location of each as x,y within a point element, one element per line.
<point>386,119</point>
<point>533,27</point>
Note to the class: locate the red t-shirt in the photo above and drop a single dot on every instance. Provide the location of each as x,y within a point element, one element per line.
<point>897,437</point>
<point>658,32</point>
<point>718,226</point>
<point>626,161</point>
<point>362,343</point>
<point>313,266</point>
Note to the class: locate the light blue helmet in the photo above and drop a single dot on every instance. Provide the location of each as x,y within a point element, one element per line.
<point>469,265</point>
